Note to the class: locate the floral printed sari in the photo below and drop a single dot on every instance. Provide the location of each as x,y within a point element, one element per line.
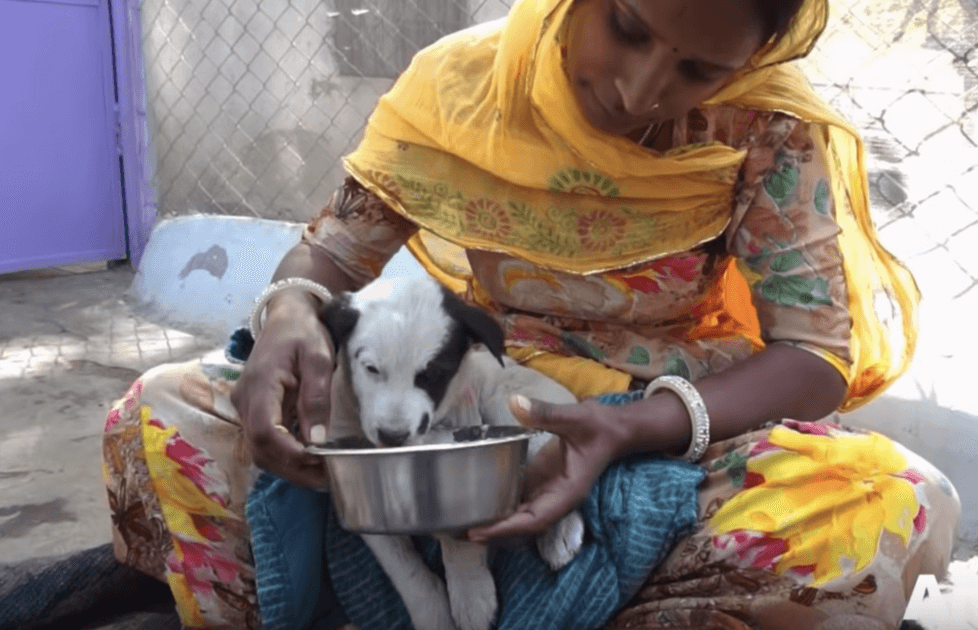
<point>801,525</point>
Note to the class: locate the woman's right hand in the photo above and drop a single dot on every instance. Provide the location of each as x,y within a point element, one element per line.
<point>288,374</point>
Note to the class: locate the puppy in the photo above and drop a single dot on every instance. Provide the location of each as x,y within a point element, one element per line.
<point>411,357</point>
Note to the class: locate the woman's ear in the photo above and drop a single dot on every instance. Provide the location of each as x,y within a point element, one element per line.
<point>340,318</point>
<point>478,324</point>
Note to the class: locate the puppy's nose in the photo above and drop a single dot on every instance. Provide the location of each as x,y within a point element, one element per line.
<point>392,438</point>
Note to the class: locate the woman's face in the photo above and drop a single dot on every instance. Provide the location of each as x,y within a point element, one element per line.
<point>633,63</point>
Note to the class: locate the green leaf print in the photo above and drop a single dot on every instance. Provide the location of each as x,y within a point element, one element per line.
<point>230,375</point>
<point>731,460</point>
<point>754,262</point>
<point>821,197</point>
<point>792,290</point>
<point>786,261</point>
<point>781,184</point>
<point>736,465</point>
<point>676,366</point>
<point>639,356</point>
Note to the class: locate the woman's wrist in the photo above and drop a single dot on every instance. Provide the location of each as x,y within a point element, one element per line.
<point>659,423</point>
<point>278,289</point>
<point>291,301</point>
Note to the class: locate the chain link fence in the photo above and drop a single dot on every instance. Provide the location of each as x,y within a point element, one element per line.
<point>253,103</point>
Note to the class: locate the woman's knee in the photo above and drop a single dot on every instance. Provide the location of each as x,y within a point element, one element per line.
<point>156,385</point>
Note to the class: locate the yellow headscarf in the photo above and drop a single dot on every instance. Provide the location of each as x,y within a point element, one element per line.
<point>482,144</point>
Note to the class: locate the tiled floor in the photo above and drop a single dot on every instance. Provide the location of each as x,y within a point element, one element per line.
<point>69,345</point>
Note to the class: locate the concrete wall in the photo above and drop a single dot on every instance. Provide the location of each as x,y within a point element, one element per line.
<point>203,273</point>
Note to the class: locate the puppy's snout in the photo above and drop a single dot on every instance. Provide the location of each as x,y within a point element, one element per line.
<point>425,419</point>
<point>392,438</point>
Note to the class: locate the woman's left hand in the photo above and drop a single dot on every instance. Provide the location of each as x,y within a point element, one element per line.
<point>587,439</point>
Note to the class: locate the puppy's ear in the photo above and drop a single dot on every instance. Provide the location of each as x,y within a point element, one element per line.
<point>340,318</point>
<point>478,324</point>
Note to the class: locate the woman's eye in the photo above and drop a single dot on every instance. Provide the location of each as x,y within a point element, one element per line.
<point>694,72</point>
<point>626,30</point>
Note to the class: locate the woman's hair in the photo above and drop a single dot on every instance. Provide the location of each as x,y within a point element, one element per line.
<point>776,17</point>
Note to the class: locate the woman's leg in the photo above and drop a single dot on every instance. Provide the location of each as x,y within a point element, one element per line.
<point>177,472</point>
<point>804,526</point>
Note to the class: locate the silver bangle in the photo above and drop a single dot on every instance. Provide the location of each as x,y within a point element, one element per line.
<point>696,408</point>
<point>255,321</point>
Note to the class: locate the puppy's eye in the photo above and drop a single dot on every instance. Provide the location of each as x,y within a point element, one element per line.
<point>371,368</point>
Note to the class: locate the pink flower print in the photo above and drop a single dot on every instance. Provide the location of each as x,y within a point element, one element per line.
<point>683,267</point>
<point>811,428</point>
<point>804,570</point>
<point>132,396</point>
<point>201,565</point>
<point>752,479</point>
<point>643,284</point>
<point>912,476</point>
<point>112,420</point>
<point>193,463</point>
<point>762,447</point>
<point>206,529</point>
<point>920,521</point>
<point>759,550</point>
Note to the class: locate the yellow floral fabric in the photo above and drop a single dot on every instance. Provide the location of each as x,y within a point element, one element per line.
<point>597,332</point>
<point>863,487</point>
<point>481,143</point>
<point>797,522</point>
<point>803,525</point>
<point>176,471</point>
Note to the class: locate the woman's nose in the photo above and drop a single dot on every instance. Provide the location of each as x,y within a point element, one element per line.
<point>641,86</point>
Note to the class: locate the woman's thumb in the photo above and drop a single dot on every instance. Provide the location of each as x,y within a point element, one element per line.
<point>522,408</point>
<point>536,414</point>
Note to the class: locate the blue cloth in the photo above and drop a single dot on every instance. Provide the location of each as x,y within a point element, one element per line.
<point>635,512</point>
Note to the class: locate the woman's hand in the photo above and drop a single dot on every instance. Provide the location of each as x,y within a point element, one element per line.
<point>588,437</point>
<point>288,374</point>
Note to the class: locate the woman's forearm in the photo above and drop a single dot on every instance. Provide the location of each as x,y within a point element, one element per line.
<point>306,261</point>
<point>779,382</point>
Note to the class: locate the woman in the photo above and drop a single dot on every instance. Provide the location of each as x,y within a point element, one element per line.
<point>637,188</point>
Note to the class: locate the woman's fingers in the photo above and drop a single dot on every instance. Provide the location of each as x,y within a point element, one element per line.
<point>313,404</point>
<point>562,420</point>
<point>551,503</point>
<point>271,445</point>
<point>278,452</point>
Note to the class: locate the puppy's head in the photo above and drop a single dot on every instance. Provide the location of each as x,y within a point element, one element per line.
<point>403,342</point>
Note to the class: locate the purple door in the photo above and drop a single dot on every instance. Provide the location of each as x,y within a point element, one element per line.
<point>60,183</point>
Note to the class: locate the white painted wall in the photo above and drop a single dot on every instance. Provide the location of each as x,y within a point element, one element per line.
<point>203,272</point>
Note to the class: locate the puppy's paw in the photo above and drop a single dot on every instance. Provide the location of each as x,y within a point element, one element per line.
<point>432,612</point>
<point>473,602</point>
<point>559,544</point>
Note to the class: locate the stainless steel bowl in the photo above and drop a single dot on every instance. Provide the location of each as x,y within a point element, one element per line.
<point>473,476</point>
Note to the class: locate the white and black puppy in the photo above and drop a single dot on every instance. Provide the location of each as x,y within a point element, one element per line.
<point>411,357</point>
